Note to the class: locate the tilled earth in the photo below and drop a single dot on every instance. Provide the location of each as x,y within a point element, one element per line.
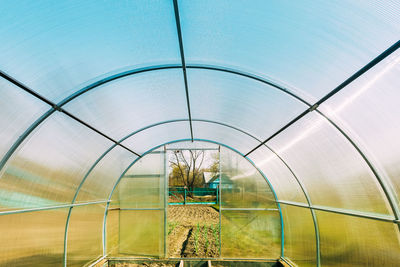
<point>193,231</point>
<point>150,264</point>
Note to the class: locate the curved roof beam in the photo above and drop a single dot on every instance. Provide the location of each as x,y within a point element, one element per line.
<point>180,120</point>
<point>384,185</point>
<point>183,61</point>
<point>113,77</point>
<point>381,178</point>
<point>302,187</point>
<point>183,140</point>
<point>353,77</point>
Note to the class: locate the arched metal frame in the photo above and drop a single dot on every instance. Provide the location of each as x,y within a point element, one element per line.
<point>383,181</point>
<point>186,140</point>
<point>58,107</point>
<point>127,73</point>
<point>381,178</point>
<point>120,75</point>
<point>180,120</point>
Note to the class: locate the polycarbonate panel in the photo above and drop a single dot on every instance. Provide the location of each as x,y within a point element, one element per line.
<point>85,234</point>
<point>331,169</point>
<point>157,135</point>
<point>141,233</point>
<point>224,135</point>
<point>300,241</point>
<point>368,109</point>
<point>114,203</point>
<point>314,45</point>
<point>141,192</point>
<point>151,164</point>
<point>242,186</point>
<point>143,185</point>
<point>250,234</point>
<point>33,238</point>
<point>112,232</point>
<point>250,105</point>
<point>102,178</point>
<point>278,174</point>
<point>50,164</point>
<point>193,145</point>
<point>351,241</point>
<point>112,225</point>
<point>18,110</point>
<point>55,46</point>
<point>129,104</point>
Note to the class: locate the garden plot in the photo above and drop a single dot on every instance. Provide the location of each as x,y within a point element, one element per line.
<point>193,232</point>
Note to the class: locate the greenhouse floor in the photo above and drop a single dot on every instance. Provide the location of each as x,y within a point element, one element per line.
<point>191,263</point>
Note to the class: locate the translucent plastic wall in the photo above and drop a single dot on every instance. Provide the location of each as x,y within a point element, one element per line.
<point>250,218</point>
<point>307,90</point>
<point>136,219</point>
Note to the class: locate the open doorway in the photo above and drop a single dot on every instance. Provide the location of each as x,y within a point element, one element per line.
<point>193,220</point>
<point>227,212</point>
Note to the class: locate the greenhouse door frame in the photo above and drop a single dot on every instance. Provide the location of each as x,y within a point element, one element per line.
<point>167,191</point>
<point>152,150</point>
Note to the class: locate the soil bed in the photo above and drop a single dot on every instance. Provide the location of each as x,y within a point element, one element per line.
<point>193,232</point>
<point>141,264</point>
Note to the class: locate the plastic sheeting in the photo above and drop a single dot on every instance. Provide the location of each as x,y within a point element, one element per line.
<point>89,87</point>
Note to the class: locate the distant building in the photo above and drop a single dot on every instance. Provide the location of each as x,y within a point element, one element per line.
<point>210,180</point>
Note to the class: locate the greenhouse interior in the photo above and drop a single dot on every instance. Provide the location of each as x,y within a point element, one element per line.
<point>293,107</point>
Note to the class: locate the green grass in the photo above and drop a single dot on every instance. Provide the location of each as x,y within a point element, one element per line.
<point>205,234</point>
<point>215,230</point>
<point>172,226</point>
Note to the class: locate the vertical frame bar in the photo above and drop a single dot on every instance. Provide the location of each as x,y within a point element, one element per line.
<point>119,222</point>
<point>166,199</point>
<point>220,201</point>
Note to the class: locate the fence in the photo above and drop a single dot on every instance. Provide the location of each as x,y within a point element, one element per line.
<point>199,196</point>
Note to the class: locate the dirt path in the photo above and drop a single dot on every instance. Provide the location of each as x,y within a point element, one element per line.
<point>193,231</point>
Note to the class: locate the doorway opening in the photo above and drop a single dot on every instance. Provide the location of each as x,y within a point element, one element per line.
<point>227,212</point>
<point>194,221</point>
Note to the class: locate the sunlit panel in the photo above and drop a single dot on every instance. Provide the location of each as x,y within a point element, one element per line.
<point>142,186</point>
<point>255,107</point>
<point>250,220</point>
<point>141,233</point>
<point>149,138</point>
<point>34,238</point>
<point>351,241</point>
<point>56,46</point>
<point>234,138</point>
<point>139,200</point>
<point>279,175</point>
<point>101,179</point>
<point>333,172</point>
<point>18,111</point>
<point>250,234</point>
<point>129,104</point>
<point>51,163</point>
<point>313,45</point>
<point>112,232</point>
<point>369,110</point>
<point>300,242</point>
<point>85,234</point>
<point>242,186</point>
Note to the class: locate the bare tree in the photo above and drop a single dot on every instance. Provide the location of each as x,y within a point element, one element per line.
<point>187,167</point>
